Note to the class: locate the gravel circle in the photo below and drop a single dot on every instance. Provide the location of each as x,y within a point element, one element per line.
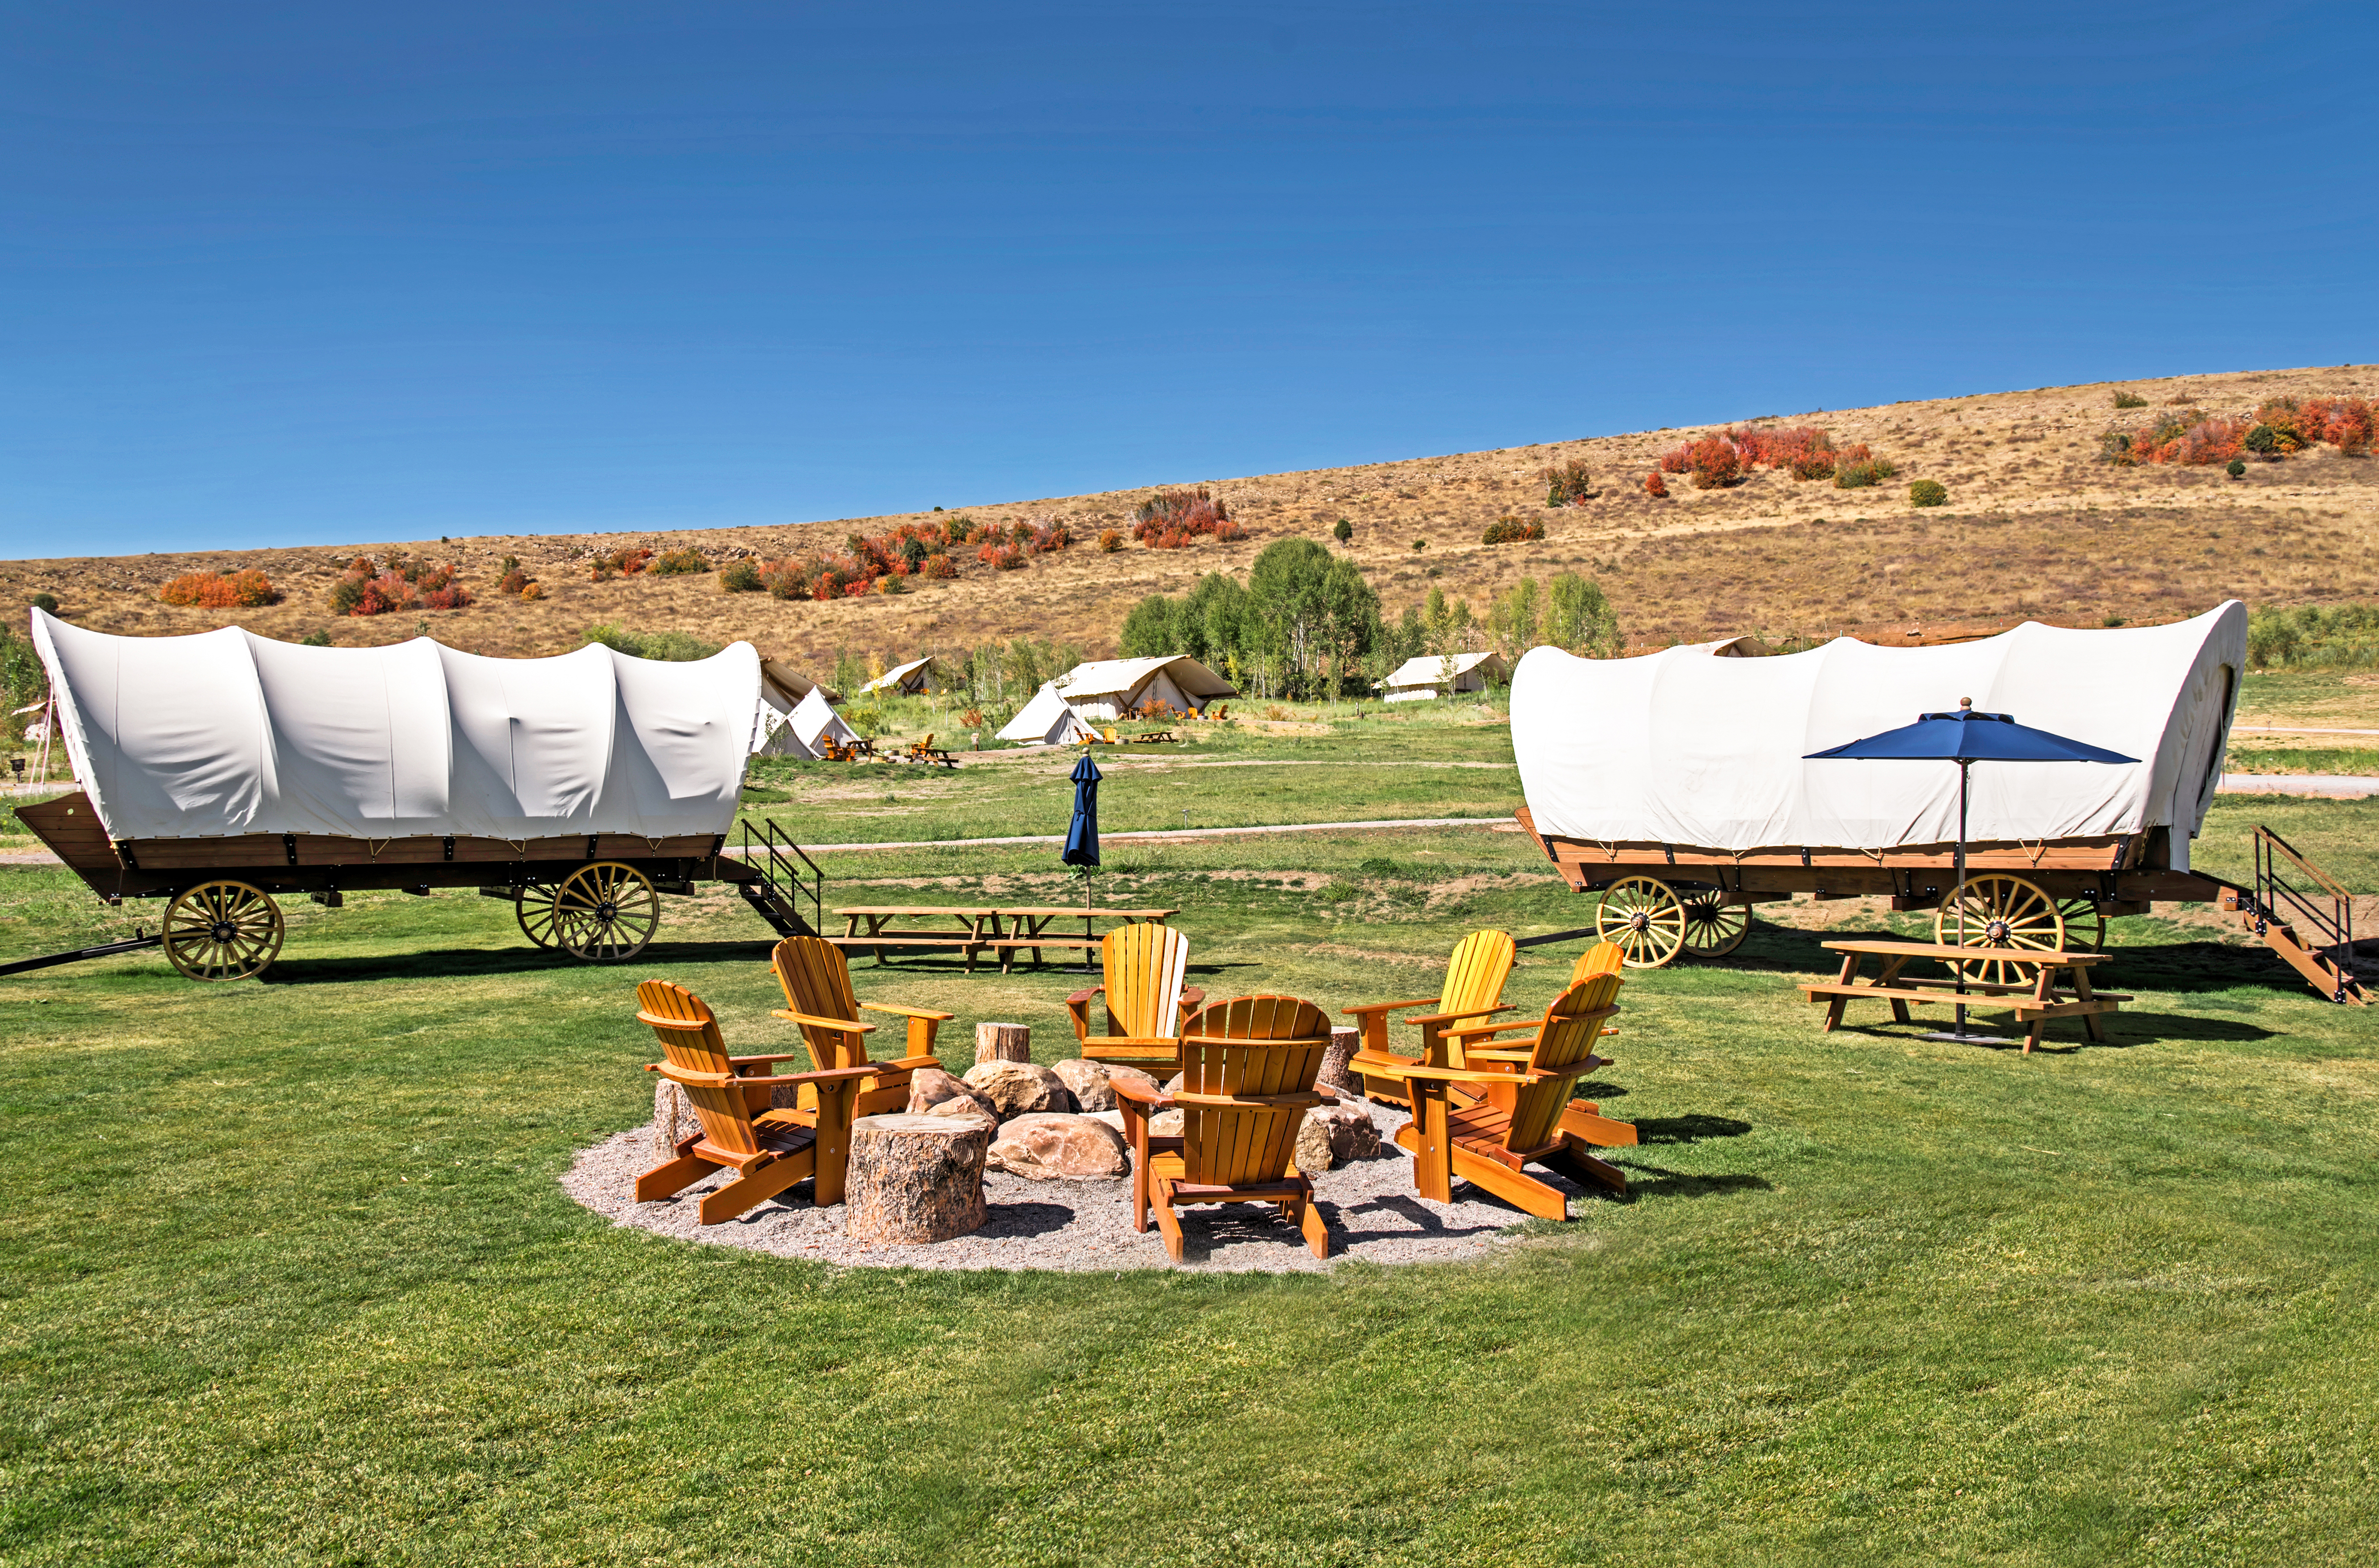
<point>1084,1226</point>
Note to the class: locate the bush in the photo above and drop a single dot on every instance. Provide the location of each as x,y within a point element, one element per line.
<point>1927,493</point>
<point>1110,541</point>
<point>1677,460</point>
<point>1860,474</point>
<point>1172,519</point>
<point>741,577</point>
<point>1420,544</point>
<point>2237,470</point>
<point>2262,441</point>
<point>533,593</point>
<point>48,602</point>
<point>1566,483</point>
<point>619,563</point>
<point>318,638</point>
<point>1656,487</point>
<point>1511,530</point>
<point>1007,558</point>
<point>939,568</point>
<point>209,590</point>
<point>681,563</point>
<point>676,647</point>
<point>2129,400</point>
<point>1342,531</point>
<point>1715,463</point>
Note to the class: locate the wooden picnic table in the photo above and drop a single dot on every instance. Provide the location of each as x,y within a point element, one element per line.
<point>1005,929</point>
<point>2033,1001</point>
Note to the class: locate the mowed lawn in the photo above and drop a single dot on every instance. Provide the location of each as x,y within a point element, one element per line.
<point>288,1277</point>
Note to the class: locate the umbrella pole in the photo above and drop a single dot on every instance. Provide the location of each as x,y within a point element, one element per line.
<point>1964,766</point>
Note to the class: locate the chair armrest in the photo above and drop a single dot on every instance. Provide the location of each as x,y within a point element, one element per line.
<point>906,1064</point>
<point>1465,1013</point>
<point>1484,1054</point>
<point>1251,1101</point>
<point>676,1074</point>
<point>1389,1007</point>
<point>851,1025</point>
<point>1106,1042</point>
<point>1080,996</point>
<point>1572,1072</point>
<point>1438,1075</point>
<point>907,1012</point>
<point>760,1061</point>
<point>1140,1094</point>
<point>1480,1031</point>
<point>1192,998</point>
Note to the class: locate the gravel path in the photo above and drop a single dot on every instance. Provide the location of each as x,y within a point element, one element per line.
<point>1374,1212</point>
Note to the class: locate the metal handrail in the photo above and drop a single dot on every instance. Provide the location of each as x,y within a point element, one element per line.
<point>779,875</point>
<point>2277,901</point>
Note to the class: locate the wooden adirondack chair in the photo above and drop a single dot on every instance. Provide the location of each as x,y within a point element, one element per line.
<point>1248,1068</point>
<point>1488,1141</point>
<point>1474,988</point>
<point>816,982</point>
<point>1146,1002</point>
<point>922,750</point>
<point>769,1150</point>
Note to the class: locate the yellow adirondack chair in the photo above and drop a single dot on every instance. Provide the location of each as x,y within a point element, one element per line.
<point>1143,965</point>
<point>1488,1141</point>
<point>1248,1068</point>
<point>769,1150</point>
<point>816,982</point>
<point>1474,988</point>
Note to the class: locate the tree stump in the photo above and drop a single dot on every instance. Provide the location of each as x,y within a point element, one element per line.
<point>915,1178</point>
<point>1002,1042</point>
<point>673,1118</point>
<point>1344,1044</point>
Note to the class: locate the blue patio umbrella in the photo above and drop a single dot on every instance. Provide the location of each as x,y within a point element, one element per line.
<point>1082,834</point>
<point>1967,738</point>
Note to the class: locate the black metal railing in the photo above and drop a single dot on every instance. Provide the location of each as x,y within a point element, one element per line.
<point>2317,906</point>
<point>771,852</point>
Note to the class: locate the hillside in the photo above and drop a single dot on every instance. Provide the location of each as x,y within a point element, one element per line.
<point>2036,526</point>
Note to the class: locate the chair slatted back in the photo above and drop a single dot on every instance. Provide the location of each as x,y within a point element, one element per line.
<point>690,1039</point>
<point>1144,965</point>
<point>1572,1025</point>
<point>1603,957</point>
<point>1475,974</point>
<point>1255,1046</point>
<point>816,981</point>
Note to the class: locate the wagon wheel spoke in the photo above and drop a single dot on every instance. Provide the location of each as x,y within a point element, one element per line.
<point>605,913</point>
<point>2000,911</point>
<point>222,930</point>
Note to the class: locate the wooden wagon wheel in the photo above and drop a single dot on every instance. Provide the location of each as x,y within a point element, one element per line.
<point>222,930</point>
<point>1643,915</point>
<point>533,907</point>
<point>2086,925</point>
<point>605,913</point>
<point>2002,911</point>
<point>1714,927</point>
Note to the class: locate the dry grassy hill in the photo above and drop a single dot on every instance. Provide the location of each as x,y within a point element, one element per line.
<point>2035,527</point>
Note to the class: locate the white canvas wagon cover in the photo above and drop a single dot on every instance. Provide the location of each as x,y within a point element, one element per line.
<point>1684,747</point>
<point>229,732</point>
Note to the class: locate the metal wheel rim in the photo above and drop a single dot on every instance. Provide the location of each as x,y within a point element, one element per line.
<point>1715,928</point>
<point>533,907</point>
<point>2001,911</point>
<point>2086,926</point>
<point>605,913</point>
<point>222,931</point>
<point>1643,917</point>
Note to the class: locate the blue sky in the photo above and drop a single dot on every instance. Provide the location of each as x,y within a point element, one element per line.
<point>286,274</point>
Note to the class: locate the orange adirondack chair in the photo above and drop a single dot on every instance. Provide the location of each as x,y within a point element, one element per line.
<point>768,1150</point>
<point>1143,964</point>
<point>1248,1068</point>
<point>1512,1125</point>
<point>1474,988</point>
<point>816,982</point>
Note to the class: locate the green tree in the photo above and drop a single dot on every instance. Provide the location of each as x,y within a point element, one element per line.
<point>1511,620</point>
<point>1148,630</point>
<point>1579,619</point>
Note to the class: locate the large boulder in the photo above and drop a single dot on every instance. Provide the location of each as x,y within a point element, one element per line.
<point>928,1087</point>
<point>1048,1146</point>
<point>1087,1081</point>
<point>1331,1135</point>
<point>1017,1088</point>
<point>1165,1124</point>
<point>1143,1079</point>
<point>965,1105</point>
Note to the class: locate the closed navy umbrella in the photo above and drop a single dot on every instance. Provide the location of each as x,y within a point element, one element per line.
<point>1082,836</point>
<point>1967,738</point>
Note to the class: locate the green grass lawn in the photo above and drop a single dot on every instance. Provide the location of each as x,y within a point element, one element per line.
<point>288,1278</point>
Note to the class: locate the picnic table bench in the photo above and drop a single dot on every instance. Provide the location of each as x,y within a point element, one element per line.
<point>2047,995</point>
<point>1004,929</point>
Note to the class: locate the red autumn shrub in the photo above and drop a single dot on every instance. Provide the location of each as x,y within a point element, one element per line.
<point>209,590</point>
<point>1001,557</point>
<point>1172,519</point>
<point>381,594</point>
<point>940,568</point>
<point>1714,462</point>
<point>1656,487</point>
<point>1677,460</point>
<point>1511,530</point>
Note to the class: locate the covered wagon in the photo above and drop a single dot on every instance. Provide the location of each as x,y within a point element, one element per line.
<point>223,771</point>
<point>1679,786</point>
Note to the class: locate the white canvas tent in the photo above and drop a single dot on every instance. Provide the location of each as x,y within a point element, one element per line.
<point>1104,689</point>
<point>1685,747</point>
<point>805,732</point>
<point>907,678</point>
<point>227,733</point>
<point>1428,675</point>
<point>1045,722</point>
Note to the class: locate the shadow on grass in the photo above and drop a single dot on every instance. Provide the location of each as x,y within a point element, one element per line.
<point>459,961</point>
<point>1688,1129</point>
<point>1654,1181</point>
